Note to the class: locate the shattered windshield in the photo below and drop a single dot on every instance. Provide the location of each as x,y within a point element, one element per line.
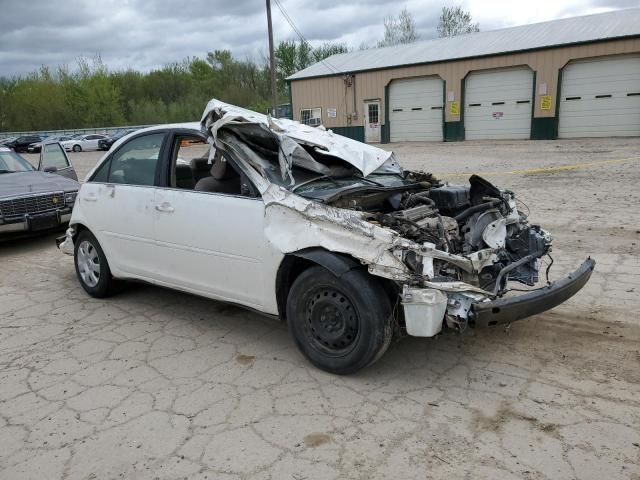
<point>328,183</point>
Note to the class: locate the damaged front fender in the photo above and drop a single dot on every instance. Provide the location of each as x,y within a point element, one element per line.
<point>294,223</point>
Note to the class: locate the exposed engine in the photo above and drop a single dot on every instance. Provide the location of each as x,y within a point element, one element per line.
<point>462,220</point>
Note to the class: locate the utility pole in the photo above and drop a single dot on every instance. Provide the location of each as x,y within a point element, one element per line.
<point>272,60</point>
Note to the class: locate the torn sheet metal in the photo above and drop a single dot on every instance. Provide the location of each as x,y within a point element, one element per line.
<point>293,223</point>
<point>366,158</point>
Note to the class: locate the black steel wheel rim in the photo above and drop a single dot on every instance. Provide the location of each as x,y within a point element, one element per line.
<point>332,324</point>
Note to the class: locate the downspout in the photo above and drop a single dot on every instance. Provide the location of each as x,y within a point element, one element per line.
<point>355,109</point>
<point>290,97</point>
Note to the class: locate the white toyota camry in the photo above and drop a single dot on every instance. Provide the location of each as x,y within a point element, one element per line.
<point>327,233</point>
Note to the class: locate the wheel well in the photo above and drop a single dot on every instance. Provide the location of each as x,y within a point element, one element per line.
<point>295,263</point>
<point>78,227</point>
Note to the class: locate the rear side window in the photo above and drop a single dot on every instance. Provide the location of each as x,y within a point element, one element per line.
<point>134,163</point>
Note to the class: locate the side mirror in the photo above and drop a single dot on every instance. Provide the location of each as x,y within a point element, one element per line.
<point>50,169</point>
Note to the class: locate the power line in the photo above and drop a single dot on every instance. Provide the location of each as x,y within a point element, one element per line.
<point>297,31</point>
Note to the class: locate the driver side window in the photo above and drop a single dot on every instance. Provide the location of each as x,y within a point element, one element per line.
<point>134,163</point>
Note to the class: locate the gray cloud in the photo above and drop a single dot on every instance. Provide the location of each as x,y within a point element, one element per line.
<point>144,34</point>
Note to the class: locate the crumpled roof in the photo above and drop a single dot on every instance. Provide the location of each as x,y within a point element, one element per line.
<point>365,158</point>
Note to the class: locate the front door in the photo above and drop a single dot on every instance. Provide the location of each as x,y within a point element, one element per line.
<point>53,159</point>
<point>210,238</point>
<point>211,243</point>
<point>372,125</point>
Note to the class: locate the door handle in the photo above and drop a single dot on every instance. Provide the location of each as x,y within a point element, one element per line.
<point>91,197</point>
<point>165,207</point>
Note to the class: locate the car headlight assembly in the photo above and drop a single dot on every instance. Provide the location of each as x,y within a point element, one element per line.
<point>70,198</point>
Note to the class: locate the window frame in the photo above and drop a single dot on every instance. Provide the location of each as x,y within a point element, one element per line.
<point>172,151</point>
<point>376,106</point>
<point>164,174</point>
<point>161,160</point>
<point>311,109</point>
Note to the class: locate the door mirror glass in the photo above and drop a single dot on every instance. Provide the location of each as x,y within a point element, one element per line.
<point>50,169</point>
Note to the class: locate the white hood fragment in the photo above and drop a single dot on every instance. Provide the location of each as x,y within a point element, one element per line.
<point>365,158</point>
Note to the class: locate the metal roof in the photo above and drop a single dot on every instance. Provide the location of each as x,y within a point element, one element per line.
<point>588,28</point>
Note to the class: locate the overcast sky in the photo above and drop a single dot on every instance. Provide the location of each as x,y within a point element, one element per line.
<point>146,34</point>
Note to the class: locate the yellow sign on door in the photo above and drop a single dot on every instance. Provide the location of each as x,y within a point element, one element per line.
<point>545,102</point>
<point>454,109</point>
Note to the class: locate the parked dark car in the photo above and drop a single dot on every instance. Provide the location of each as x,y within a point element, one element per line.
<point>36,147</point>
<point>106,143</point>
<point>33,200</point>
<point>21,144</point>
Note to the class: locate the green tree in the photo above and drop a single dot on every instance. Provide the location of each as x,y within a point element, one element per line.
<point>456,21</point>
<point>398,30</point>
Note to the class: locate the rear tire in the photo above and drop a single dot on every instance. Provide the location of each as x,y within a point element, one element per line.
<point>92,267</point>
<point>341,324</point>
<point>77,148</point>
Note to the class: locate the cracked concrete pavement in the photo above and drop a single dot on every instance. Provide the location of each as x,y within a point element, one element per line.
<point>158,384</point>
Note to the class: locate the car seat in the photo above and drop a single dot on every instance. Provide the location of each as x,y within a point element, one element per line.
<point>223,179</point>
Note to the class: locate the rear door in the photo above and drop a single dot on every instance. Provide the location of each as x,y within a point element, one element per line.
<point>118,202</point>
<point>53,159</point>
<point>91,142</point>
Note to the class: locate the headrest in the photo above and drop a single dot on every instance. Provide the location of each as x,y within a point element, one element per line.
<point>220,170</point>
<point>200,164</point>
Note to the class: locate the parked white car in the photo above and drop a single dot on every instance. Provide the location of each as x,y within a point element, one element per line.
<point>327,233</point>
<point>83,143</point>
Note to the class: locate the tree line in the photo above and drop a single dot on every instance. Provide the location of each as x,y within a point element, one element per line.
<point>91,95</point>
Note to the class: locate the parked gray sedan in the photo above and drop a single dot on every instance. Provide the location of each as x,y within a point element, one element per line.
<point>34,200</point>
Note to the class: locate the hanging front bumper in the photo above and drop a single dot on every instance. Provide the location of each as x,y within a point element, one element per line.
<point>507,310</point>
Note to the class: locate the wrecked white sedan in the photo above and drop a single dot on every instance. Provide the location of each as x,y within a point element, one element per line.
<point>299,223</point>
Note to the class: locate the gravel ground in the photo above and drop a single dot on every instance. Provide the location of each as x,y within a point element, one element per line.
<point>158,384</point>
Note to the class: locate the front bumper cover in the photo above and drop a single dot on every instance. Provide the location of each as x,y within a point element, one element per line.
<point>507,310</point>
<point>65,242</point>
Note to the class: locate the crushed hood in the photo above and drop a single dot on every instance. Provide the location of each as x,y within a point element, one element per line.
<point>365,158</point>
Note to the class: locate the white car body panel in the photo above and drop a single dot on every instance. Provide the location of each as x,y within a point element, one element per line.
<point>215,244</point>
<point>121,217</point>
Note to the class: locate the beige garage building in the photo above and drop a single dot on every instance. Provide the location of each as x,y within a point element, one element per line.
<point>575,77</point>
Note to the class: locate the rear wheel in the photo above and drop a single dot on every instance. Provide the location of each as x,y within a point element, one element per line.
<point>341,324</point>
<point>92,268</point>
<point>77,148</point>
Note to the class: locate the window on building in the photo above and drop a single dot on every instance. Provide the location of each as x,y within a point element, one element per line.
<point>311,116</point>
<point>373,113</point>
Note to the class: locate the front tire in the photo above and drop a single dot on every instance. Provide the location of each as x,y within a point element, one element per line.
<point>77,148</point>
<point>341,324</point>
<point>92,267</point>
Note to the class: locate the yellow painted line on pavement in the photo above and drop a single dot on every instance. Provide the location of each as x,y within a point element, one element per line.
<point>559,168</point>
